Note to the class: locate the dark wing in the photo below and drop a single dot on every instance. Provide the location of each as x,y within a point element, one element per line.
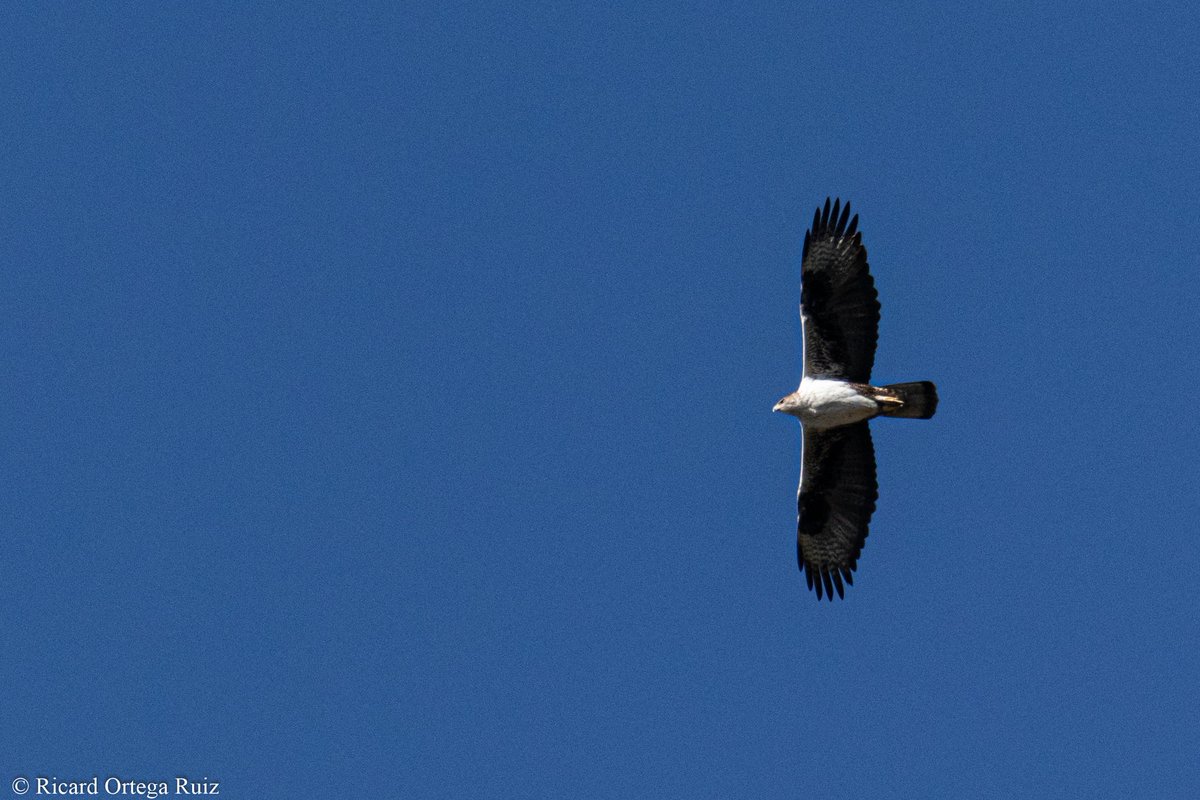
<point>838,303</point>
<point>837,497</point>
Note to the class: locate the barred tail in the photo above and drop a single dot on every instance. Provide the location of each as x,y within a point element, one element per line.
<point>917,400</point>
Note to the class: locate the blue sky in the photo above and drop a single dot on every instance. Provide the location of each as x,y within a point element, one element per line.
<point>388,399</point>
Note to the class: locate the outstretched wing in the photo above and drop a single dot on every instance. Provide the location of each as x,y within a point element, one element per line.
<point>837,497</point>
<point>839,307</point>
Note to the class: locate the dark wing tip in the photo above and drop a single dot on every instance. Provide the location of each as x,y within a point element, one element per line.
<point>833,219</point>
<point>828,584</point>
<point>825,581</point>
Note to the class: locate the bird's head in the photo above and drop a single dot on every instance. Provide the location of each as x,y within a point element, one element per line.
<point>789,405</point>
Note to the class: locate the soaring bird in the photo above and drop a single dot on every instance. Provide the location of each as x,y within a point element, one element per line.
<point>839,312</point>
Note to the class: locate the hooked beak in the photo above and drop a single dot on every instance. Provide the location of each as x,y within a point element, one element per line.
<point>783,404</point>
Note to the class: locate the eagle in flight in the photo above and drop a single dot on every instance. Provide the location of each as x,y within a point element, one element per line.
<point>839,312</point>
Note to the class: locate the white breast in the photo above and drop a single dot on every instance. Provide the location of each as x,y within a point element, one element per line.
<point>827,403</point>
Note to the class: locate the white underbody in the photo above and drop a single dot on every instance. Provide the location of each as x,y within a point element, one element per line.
<point>824,403</point>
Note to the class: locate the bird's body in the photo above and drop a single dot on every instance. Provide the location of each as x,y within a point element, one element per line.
<point>839,310</point>
<point>825,403</point>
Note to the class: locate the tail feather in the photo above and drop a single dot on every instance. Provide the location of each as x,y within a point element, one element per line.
<point>918,400</point>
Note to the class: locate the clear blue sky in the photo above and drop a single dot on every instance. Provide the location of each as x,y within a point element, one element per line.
<point>387,399</point>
